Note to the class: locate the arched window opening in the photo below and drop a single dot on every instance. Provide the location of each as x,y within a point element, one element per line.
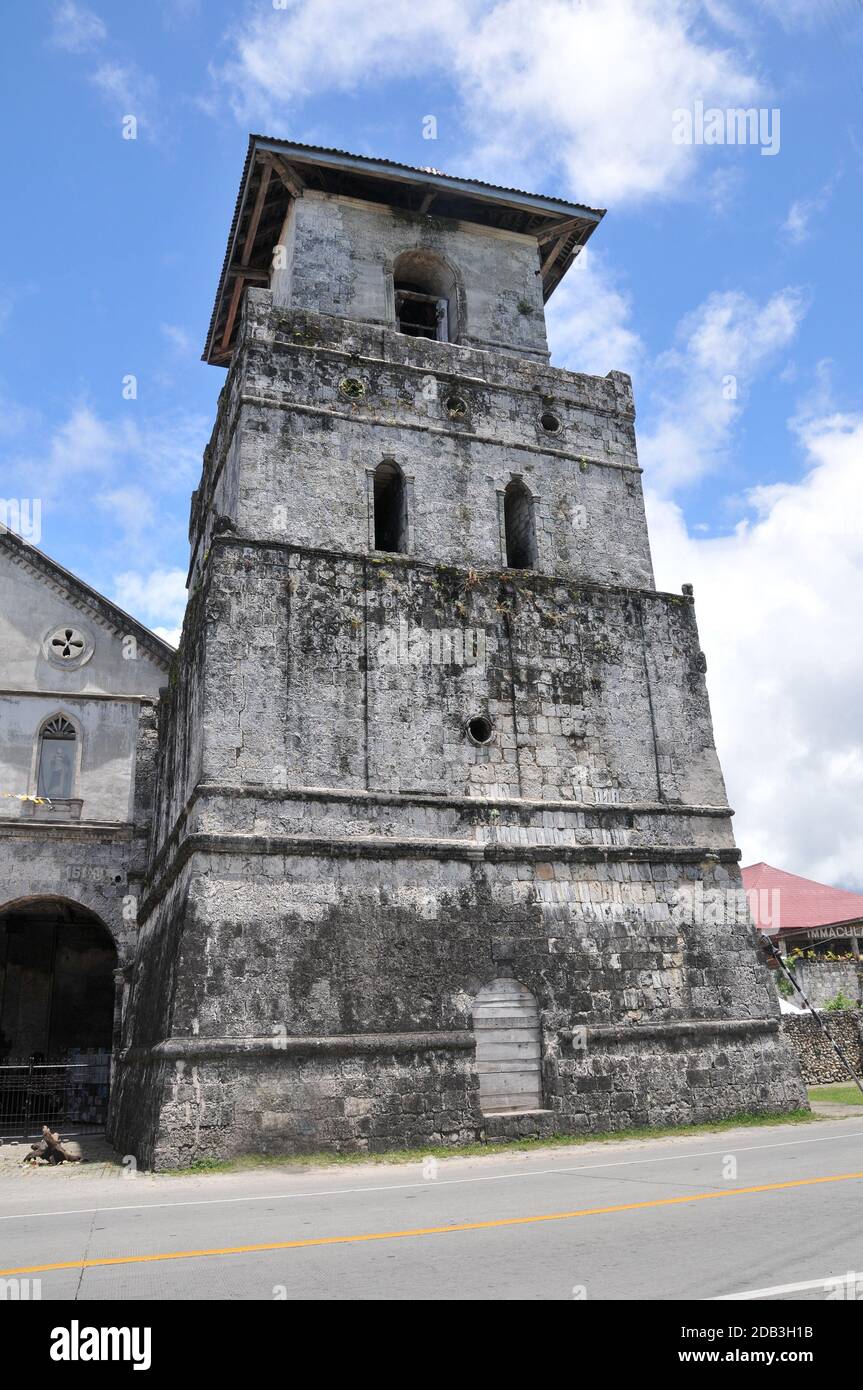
<point>390,508</point>
<point>519,527</point>
<point>57,750</point>
<point>425,296</point>
<point>508,1060</point>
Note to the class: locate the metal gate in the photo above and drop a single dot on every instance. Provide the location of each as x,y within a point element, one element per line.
<point>70,1096</point>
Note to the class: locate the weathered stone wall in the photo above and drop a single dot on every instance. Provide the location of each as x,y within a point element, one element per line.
<point>818,1062</point>
<point>268,944</point>
<point>338,867</point>
<point>77,864</point>
<point>822,980</point>
<point>291,456</point>
<point>339,261</point>
<point>390,1091</point>
<point>335,670</point>
<point>181,727</point>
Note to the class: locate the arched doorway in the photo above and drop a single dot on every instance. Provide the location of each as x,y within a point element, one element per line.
<point>506,1023</point>
<point>57,968</point>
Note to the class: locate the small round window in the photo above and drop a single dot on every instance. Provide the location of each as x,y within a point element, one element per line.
<point>480,729</point>
<point>456,408</point>
<point>69,645</point>
<point>352,387</point>
<point>550,423</point>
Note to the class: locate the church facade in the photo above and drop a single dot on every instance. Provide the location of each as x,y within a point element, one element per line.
<point>79,686</point>
<point>434,771</point>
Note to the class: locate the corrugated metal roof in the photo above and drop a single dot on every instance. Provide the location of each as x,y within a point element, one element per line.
<point>802,901</point>
<point>238,206</point>
<point>419,169</point>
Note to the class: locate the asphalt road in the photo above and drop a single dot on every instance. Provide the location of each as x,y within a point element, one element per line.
<point>740,1212</point>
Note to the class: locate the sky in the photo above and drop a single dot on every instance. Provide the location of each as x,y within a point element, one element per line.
<point>725,278</point>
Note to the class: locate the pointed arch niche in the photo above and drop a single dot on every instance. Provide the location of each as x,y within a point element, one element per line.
<point>57,757</point>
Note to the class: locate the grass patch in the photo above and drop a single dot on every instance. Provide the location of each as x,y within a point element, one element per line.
<point>503,1146</point>
<point>842,1094</point>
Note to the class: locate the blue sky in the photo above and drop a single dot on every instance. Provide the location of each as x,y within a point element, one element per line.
<point>725,279</point>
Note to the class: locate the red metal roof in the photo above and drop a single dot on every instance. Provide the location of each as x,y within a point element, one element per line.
<point>802,902</point>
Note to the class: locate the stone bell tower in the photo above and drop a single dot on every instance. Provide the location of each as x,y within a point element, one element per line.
<point>438,805</point>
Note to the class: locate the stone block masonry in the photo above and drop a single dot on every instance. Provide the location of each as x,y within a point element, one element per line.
<point>818,1062</point>
<point>348,870</point>
<point>390,782</point>
<point>822,980</point>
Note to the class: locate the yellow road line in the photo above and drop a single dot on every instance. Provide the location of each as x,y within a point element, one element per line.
<point>428,1230</point>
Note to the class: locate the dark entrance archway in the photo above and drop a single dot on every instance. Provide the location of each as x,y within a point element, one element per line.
<point>57,993</point>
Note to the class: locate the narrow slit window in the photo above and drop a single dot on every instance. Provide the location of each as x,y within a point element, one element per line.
<point>390,508</point>
<point>519,527</point>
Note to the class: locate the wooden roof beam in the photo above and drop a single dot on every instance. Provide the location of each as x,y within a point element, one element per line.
<point>249,272</point>
<point>554,253</point>
<point>254,220</point>
<point>248,243</point>
<point>286,173</point>
<point>558,228</point>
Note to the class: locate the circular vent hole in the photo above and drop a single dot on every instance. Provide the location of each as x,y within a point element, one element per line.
<point>352,387</point>
<point>456,408</point>
<point>549,422</point>
<point>480,729</point>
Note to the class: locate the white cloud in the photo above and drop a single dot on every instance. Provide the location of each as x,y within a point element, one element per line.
<point>797,226</point>
<point>15,420</point>
<point>795,14</point>
<point>176,12</point>
<point>587,316</point>
<point>702,382</point>
<point>778,605</point>
<point>178,338</point>
<point>723,190</point>
<point>157,597</point>
<point>82,444</point>
<point>163,452</point>
<point>130,508</point>
<point>129,91</point>
<point>547,88</point>
<point>76,29</point>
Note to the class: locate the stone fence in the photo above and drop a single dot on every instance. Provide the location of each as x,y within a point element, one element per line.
<point>822,980</point>
<point>818,1061</point>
